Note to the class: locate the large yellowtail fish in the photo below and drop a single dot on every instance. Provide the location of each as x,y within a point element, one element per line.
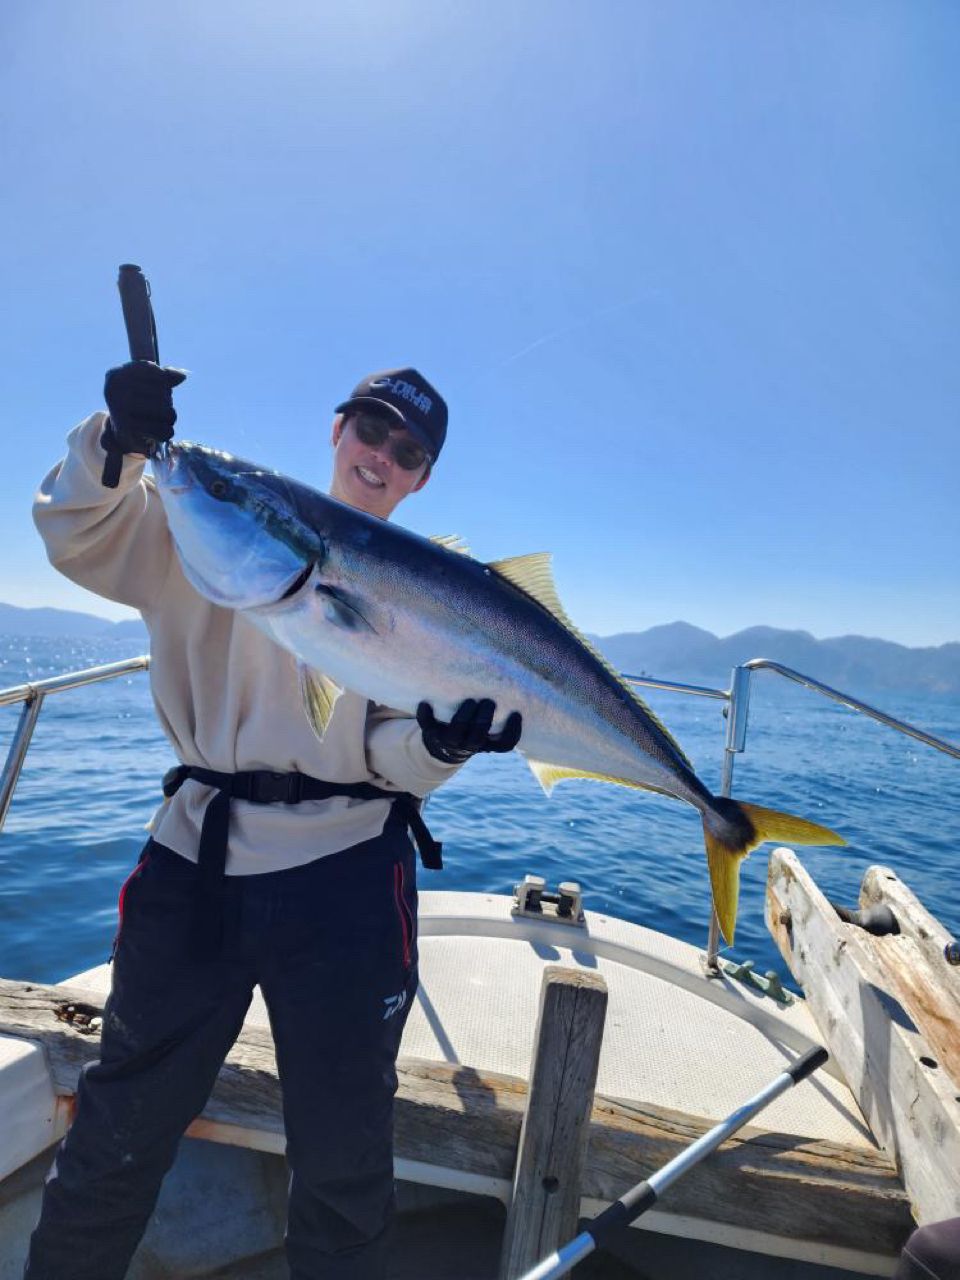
<point>366,605</point>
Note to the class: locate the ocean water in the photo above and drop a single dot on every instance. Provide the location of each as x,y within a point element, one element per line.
<point>91,781</point>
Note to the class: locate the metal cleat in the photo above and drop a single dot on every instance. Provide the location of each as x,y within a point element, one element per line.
<point>563,907</point>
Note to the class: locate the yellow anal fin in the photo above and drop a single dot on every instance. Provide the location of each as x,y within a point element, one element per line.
<point>548,775</point>
<point>319,695</point>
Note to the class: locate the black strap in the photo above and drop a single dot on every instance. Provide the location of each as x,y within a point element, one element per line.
<point>260,786</point>
<point>112,466</point>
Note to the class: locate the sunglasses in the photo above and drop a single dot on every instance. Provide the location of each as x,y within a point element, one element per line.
<point>405,451</point>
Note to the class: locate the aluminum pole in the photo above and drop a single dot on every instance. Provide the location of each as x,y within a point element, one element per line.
<point>645,1194</point>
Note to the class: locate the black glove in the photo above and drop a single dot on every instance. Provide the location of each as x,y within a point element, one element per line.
<point>468,732</point>
<point>139,398</point>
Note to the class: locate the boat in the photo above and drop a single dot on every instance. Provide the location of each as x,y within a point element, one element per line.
<point>499,1152</point>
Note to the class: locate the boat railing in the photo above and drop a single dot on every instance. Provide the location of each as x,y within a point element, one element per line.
<point>736,710</point>
<point>32,695</point>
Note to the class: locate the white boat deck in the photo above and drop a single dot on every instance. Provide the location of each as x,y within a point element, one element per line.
<point>673,1038</point>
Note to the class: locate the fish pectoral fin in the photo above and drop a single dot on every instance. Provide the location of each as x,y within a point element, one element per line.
<point>342,609</point>
<point>548,775</point>
<point>319,695</point>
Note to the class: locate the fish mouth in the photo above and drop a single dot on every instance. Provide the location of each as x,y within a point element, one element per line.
<point>170,470</point>
<point>299,581</point>
<point>227,598</point>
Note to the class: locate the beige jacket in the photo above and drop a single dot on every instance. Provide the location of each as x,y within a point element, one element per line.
<point>226,695</point>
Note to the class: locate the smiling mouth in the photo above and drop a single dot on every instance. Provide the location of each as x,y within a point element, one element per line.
<point>370,478</point>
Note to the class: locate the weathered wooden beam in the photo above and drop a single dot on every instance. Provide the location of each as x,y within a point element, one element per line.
<point>910,1102</point>
<point>940,987</point>
<point>882,884</point>
<point>545,1205</point>
<point>455,1117</point>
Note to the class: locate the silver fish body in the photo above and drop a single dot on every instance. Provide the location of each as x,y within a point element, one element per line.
<point>400,619</point>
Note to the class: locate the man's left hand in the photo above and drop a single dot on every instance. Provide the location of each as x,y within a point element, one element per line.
<point>468,733</point>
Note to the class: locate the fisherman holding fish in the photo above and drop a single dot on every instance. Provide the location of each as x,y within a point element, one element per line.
<point>281,855</point>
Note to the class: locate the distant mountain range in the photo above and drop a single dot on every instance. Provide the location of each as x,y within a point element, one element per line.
<point>65,622</point>
<point>851,663</point>
<point>675,651</point>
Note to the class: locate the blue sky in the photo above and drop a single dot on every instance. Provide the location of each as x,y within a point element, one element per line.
<point>686,272</point>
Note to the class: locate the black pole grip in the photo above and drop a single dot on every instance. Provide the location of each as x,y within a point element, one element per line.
<point>141,339</point>
<point>138,313</point>
<point>622,1212</point>
<point>807,1063</point>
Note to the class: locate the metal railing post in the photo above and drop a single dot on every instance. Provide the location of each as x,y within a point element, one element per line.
<point>737,710</point>
<point>18,751</point>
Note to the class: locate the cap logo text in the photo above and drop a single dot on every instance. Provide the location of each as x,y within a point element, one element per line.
<point>405,391</point>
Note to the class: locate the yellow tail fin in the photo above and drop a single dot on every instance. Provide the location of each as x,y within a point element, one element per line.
<point>742,828</point>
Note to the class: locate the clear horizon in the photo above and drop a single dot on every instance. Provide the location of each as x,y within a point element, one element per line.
<point>686,275</point>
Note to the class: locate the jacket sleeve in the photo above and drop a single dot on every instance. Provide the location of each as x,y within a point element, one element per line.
<point>112,541</point>
<point>396,755</point>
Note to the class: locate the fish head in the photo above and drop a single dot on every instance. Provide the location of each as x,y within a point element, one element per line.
<point>240,536</point>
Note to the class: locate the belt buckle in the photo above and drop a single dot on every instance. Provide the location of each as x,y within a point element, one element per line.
<point>274,788</point>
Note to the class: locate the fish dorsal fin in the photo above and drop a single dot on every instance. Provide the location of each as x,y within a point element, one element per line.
<point>534,576</point>
<point>548,775</point>
<point>319,695</point>
<point>451,542</point>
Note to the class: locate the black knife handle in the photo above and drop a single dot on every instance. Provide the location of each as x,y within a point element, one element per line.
<point>138,313</point>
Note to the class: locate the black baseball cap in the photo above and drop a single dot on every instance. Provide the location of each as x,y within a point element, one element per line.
<point>407,396</point>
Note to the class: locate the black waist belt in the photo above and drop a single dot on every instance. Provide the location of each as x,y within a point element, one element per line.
<point>260,786</point>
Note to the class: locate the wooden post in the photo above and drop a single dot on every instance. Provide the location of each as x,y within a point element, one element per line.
<point>553,1140</point>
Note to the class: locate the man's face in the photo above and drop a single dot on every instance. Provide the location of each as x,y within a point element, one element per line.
<point>368,476</point>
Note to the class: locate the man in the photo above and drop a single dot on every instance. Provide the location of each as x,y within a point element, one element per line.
<point>308,890</point>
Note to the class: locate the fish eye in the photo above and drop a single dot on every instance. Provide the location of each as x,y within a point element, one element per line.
<point>218,488</point>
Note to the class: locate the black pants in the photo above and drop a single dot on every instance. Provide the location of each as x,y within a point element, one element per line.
<point>932,1253</point>
<point>333,946</point>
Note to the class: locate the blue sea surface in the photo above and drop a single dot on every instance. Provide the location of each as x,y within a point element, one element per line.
<point>92,779</point>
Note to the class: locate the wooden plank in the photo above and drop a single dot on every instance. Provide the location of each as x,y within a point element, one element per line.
<point>545,1205</point>
<point>910,1103</point>
<point>759,1180</point>
<point>459,1118</point>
